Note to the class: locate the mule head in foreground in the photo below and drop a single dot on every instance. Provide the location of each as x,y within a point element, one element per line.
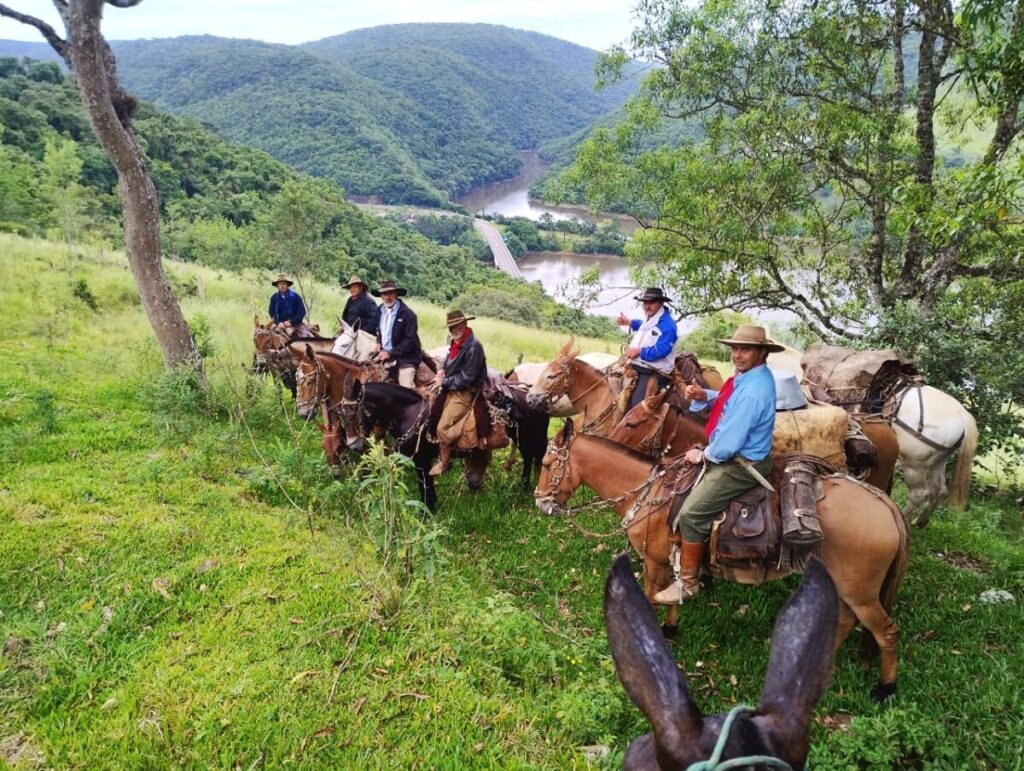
<point>799,667</point>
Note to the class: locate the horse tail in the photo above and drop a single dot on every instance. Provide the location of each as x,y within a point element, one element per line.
<point>893,576</point>
<point>960,481</point>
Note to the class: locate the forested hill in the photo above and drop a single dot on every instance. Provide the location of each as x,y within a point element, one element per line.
<point>411,113</point>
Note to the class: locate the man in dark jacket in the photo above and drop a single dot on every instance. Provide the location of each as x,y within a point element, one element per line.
<point>398,337</point>
<point>286,306</point>
<point>461,379</point>
<point>360,311</point>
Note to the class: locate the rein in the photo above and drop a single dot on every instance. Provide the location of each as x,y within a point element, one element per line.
<point>715,762</point>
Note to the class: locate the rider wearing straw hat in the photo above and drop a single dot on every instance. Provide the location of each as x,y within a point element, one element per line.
<point>460,380</point>
<point>286,306</point>
<point>360,310</point>
<point>739,436</point>
<point>650,350</point>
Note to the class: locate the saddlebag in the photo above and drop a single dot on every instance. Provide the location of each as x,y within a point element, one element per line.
<point>800,493</point>
<point>746,535</point>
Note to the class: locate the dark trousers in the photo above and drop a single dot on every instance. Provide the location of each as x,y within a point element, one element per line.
<point>643,377</point>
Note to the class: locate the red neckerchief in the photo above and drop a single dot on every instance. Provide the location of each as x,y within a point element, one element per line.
<point>718,406</point>
<point>456,344</point>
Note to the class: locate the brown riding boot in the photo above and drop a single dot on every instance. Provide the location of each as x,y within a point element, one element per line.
<point>444,461</point>
<point>687,583</point>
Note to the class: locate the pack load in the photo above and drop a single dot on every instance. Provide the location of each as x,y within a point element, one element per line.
<point>858,381</point>
<point>819,430</point>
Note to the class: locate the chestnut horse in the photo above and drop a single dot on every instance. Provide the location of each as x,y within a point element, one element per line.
<point>800,663</point>
<point>660,429</point>
<point>591,391</point>
<point>271,356</point>
<point>865,545</point>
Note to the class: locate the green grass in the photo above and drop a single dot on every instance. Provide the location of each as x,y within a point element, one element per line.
<point>165,603</point>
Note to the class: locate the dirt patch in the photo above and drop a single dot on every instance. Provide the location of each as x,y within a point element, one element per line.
<point>839,721</point>
<point>961,560</point>
<point>18,749</point>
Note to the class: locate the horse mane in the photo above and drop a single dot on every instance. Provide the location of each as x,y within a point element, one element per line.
<point>395,391</point>
<point>621,448</point>
<point>339,357</point>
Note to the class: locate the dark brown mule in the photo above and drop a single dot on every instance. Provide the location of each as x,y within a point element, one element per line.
<point>865,543</point>
<point>799,666</point>
<point>273,354</point>
<point>661,429</point>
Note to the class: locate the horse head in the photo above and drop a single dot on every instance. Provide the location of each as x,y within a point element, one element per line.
<point>555,483</point>
<point>310,384</point>
<point>555,381</point>
<point>799,667</point>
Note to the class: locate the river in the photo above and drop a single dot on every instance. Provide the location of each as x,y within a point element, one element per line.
<point>556,270</point>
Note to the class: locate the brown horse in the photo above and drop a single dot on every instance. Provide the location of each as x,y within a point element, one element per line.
<point>799,665</point>
<point>272,354</point>
<point>865,542</point>
<point>660,429</point>
<point>339,388</point>
<point>593,392</point>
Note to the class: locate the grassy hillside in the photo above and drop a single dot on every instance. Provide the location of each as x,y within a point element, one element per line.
<point>163,601</point>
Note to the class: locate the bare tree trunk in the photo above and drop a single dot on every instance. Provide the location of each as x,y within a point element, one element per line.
<point>110,109</point>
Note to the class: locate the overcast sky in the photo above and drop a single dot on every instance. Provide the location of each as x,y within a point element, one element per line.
<point>593,23</point>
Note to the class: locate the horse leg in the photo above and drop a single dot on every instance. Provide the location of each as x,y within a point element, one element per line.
<point>887,636</point>
<point>656,577</point>
<point>428,493</point>
<point>916,479</point>
<point>936,492</point>
<point>847,618</point>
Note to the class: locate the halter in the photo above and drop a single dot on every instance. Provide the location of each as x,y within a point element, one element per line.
<point>562,377</point>
<point>261,332</point>
<point>715,763</point>
<point>318,398</point>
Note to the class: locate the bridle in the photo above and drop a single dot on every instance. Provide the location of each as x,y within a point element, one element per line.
<point>261,333</point>
<point>318,384</point>
<point>564,383</point>
<point>715,762</point>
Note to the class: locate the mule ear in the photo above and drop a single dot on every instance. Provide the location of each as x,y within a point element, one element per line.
<point>643,662</point>
<point>567,347</point>
<point>802,654</point>
<point>256,321</point>
<point>309,352</point>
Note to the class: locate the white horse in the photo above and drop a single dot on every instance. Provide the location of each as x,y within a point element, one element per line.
<point>930,426</point>
<point>353,343</point>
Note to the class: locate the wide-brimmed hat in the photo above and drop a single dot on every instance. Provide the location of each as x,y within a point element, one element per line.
<point>749,334</point>
<point>355,280</point>
<point>652,294</point>
<point>284,278</point>
<point>788,394</point>
<point>388,286</point>
<point>457,317</point>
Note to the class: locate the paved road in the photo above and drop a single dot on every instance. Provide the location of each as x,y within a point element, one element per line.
<point>503,259</point>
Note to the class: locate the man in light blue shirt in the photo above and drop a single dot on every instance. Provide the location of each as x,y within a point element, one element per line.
<point>739,433</point>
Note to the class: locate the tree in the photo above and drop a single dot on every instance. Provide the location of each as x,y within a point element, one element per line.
<point>62,172</point>
<point>110,111</point>
<point>819,184</point>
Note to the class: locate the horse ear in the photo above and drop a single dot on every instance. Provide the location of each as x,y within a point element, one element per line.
<point>256,321</point>
<point>802,654</point>
<point>643,662</point>
<point>567,347</point>
<point>309,352</point>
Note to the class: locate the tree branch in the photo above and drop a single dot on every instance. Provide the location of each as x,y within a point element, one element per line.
<point>57,43</point>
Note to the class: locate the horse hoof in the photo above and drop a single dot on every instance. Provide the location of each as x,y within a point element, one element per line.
<point>883,691</point>
<point>671,631</point>
<point>707,582</point>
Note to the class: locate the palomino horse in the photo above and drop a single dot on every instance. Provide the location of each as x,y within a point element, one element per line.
<point>664,430</point>
<point>865,545</point>
<point>354,343</point>
<point>799,666</point>
<point>591,391</point>
<point>930,425</point>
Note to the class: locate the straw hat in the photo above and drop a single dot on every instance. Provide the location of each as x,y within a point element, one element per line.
<point>282,277</point>
<point>388,286</point>
<point>457,317</point>
<point>355,280</point>
<point>749,334</point>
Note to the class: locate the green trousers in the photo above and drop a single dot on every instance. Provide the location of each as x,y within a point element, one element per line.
<point>720,484</point>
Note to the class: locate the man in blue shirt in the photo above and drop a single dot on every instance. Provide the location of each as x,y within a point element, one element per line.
<point>286,306</point>
<point>739,434</point>
<point>650,350</point>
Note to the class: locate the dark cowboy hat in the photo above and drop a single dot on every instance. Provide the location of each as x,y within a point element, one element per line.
<point>284,278</point>
<point>653,294</point>
<point>748,334</point>
<point>457,317</point>
<point>355,280</point>
<point>388,286</point>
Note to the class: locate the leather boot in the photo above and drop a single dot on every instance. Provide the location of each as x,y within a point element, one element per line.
<point>444,461</point>
<point>687,582</point>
